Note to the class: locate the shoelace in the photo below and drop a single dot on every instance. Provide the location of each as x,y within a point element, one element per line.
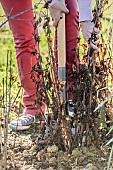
<point>25,118</point>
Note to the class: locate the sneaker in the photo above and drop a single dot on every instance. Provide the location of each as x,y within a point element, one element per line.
<point>71,108</point>
<point>22,123</point>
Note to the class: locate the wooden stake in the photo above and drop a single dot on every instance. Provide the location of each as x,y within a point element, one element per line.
<point>61,34</point>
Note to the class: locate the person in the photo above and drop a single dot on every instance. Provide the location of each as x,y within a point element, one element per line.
<point>22,27</point>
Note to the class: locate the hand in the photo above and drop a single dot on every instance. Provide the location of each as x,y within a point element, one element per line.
<point>87,29</point>
<point>56,11</point>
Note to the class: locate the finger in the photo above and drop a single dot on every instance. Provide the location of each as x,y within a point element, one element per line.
<point>61,6</point>
<point>96,30</point>
<point>89,37</point>
<point>94,46</point>
<point>93,30</point>
<point>95,42</point>
<point>97,36</point>
<point>56,21</point>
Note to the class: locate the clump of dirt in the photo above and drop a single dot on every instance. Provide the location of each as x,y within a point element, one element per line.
<point>26,152</point>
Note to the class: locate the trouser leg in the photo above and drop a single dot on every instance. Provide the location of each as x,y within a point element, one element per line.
<point>72,31</point>
<point>22,30</point>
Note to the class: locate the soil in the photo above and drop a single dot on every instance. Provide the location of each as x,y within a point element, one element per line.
<point>27,152</point>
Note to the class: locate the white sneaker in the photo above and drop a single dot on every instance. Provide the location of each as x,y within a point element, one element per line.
<point>22,123</point>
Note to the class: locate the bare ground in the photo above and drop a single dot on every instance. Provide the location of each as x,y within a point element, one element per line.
<point>27,152</point>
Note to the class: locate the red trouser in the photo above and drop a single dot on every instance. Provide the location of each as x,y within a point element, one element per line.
<point>22,29</point>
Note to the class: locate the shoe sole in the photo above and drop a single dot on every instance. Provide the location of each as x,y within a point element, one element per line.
<point>19,128</point>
